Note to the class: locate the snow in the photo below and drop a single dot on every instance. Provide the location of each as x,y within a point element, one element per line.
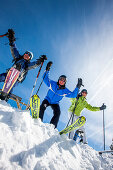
<point>29,144</point>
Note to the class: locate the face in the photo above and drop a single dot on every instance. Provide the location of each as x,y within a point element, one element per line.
<point>84,94</point>
<point>62,81</point>
<point>26,57</point>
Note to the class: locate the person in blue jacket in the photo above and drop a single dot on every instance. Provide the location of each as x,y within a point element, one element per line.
<point>20,62</point>
<point>57,90</point>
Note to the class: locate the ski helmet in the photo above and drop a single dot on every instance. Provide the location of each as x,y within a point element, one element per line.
<point>84,90</point>
<point>63,77</point>
<point>30,54</point>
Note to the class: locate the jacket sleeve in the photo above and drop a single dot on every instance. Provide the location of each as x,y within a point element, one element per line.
<point>92,108</point>
<point>72,94</point>
<point>33,65</point>
<point>73,101</point>
<point>46,78</point>
<point>14,51</point>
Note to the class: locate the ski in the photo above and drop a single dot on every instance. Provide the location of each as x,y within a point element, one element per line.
<point>35,106</point>
<point>106,151</point>
<point>10,81</point>
<point>77,124</point>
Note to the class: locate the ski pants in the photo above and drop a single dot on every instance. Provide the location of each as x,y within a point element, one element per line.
<point>71,134</point>
<point>2,79</point>
<point>56,112</point>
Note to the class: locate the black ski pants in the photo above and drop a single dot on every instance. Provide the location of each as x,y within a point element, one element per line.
<point>56,112</point>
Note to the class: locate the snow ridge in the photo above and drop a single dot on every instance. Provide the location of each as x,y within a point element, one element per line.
<point>30,144</point>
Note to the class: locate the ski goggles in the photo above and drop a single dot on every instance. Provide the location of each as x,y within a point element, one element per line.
<point>28,53</point>
<point>26,57</point>
<point>62,79</point>
<point>84,92</point>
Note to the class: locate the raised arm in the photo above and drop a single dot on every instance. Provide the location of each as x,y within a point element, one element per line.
<point>34,64</point>
<point>76,91</point>
<point>14,51</point>
<point>12,39</point>
<point>46,78</point>
<point>73,94</point>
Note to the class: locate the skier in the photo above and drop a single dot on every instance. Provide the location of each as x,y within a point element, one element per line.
<point>57,90</point>
<point>78,104</point>
<point>20,62</point>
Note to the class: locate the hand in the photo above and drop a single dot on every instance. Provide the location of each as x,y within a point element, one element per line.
<point>43,58</point>
<point>79,84</point>
<point>103,107</point>
<point>49,64</point>
<point>11,36</point>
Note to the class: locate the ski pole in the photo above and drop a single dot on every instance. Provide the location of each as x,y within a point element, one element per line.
<point>48,64</point>
<point>41,83</point>
<point>103,129</point>
<point>36,78</point>
<point>71,122</point>
<point>3,35</point>
<point>35,82</point>
<point>73,111</point>
<point>72,115</point>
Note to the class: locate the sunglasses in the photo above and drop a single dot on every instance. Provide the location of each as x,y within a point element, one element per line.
<point>26,56</point>
<point>84,92</point>
<point>28,53</point>
<point>62,79</point>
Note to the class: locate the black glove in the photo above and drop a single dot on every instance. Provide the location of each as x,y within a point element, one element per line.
<point>43,58</point>
<point>11,36</point>
<point>49,64</point>
<point>103,107</point>
<point>79,84</point>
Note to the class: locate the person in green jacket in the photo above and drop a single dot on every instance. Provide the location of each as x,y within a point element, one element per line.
<point>78,104</point>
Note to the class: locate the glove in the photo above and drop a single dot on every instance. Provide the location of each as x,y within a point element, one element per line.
<point>11,36</point>
<point>79,84</point>
<point>43,58</point>
<point>49,64</point>
<point>103,107</point>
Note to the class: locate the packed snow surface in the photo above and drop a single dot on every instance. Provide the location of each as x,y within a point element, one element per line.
<point>29,144</point>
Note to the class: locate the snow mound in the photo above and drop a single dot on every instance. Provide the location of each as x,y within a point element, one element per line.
<point>29,144</point>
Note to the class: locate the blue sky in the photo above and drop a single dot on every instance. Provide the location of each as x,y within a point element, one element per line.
<point>77,36</point>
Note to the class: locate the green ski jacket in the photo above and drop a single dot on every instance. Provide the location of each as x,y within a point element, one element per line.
<point>80,104</point>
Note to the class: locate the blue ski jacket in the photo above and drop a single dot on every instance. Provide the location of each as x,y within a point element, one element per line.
<point>55,94</point>
<point>21,64</point>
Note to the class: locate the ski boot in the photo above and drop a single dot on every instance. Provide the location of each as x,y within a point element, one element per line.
<point>4,96</point>
<point>78,137</point>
